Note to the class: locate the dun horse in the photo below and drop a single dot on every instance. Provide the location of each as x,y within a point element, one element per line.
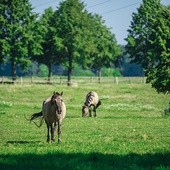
<point>92,100</point>
<point>53,112</point>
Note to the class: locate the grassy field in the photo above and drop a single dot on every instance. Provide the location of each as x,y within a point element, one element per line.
<point>128,133</point>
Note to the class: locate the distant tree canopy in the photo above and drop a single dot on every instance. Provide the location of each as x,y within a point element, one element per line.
<point>66,36</point>
<point>18,39</point>
<point>148,42</point>
<point>106,48</point>
<point>128,68</point>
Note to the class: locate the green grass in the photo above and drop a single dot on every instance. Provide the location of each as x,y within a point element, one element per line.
<point>128,133</point>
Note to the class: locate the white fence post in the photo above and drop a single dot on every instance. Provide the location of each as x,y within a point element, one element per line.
<point>60,80</point>
<point>91,79</point>
<point>116,80</point>
<point>2,79</point>
<point>21,80</point>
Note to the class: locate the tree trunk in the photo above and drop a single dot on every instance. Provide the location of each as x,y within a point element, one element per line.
<point>99,76</point>
<point>14,72</point>
<point>49,72</point>
<point>70,67</point>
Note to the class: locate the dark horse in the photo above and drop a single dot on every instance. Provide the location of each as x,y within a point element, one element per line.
<point>53,112</point>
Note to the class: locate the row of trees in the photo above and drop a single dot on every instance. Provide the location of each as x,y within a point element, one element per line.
<point>41,70</point>
<point>71,35</point>
<point>67,36</point>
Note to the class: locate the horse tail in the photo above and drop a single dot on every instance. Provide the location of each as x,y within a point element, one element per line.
<point>38,115</point>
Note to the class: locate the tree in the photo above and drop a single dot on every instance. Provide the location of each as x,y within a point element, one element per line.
<point>159,75</point>
<point>18,40</point>
<point>72,24</point>
<point>51,44</point>
<point>106,48</point>
<point>87,41</point>
<point>148,43</point>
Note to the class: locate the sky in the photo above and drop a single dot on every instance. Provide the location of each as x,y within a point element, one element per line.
<point>117,14</point>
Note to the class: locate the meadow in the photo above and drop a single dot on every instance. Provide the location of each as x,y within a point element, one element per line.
<point>130,131</point>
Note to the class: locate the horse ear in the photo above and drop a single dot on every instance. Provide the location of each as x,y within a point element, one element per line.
<point>54,92</point>
<point>61,93</point>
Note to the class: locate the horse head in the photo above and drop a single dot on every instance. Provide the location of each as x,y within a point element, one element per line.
<point>56,100</point>
<point>85,110</point>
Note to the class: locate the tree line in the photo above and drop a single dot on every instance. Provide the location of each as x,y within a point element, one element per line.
<point>71,36</point>
<point>67,36</point>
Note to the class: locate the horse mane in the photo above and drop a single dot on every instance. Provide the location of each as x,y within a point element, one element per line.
<point>54,96</point>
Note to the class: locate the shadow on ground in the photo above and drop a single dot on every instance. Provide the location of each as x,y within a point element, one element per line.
<point>90,161</point>
<point>22,142</point>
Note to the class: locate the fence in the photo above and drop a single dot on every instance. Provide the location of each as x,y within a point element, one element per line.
<point>75,80</point>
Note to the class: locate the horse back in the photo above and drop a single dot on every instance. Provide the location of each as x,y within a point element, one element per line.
<point>92,97</point>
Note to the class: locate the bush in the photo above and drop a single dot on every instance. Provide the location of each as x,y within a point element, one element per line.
<point>79,71</point>
<point>167,111</point>
<point>43,71</point>
<point>110,72</point>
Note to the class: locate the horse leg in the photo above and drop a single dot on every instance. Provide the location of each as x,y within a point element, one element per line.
<point>90,111</point>
<point>98,104</point>
<point>59,131</point>
<point>48,133</point>
<point>53,132</point>
<point>94,110</point>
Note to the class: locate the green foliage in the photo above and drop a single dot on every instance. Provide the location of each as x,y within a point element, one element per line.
<point>128,133</point>
<point>43,71</point>
<point>18,39</point>
<point>79,71</point>
<point>67,36</point>
<point>86,40</point>
<point>51,44</point>
<point>106,48</point>
<point>72,24</point>
<point>167,111</point>
<point>148,42</point>
<point>126,67</point>
<point>159,76</point>
<point>110,72</point>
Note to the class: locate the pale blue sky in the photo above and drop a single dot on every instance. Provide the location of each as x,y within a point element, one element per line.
<point>116,13</point>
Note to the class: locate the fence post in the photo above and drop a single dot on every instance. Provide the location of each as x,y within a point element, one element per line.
<point>116,80</point>
<point>21,80</point>
<point>31,79</point>
<point>129,80</point>
<point>99,79</point>
<point>60,80</point>
<point>2,79</point>
<point>91,79</point>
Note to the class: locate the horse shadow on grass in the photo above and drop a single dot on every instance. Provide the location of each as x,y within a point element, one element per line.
<point>22,142</point>
<point>81,161</point>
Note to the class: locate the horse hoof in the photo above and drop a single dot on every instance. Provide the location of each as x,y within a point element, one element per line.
<point>52,140</point>
<point>59,140</point>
